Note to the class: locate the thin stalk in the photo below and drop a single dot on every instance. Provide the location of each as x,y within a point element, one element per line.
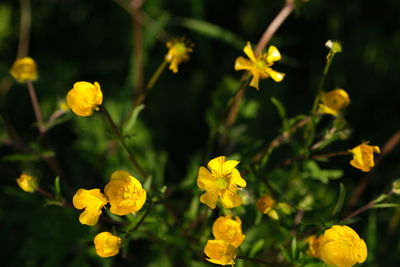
<point>363,208</point>
<point>137,47</point>
<point>156,75</point>
<point>25,28</point>
<point>286,10</point>
<point>36,107</point>
<point>118,134</point>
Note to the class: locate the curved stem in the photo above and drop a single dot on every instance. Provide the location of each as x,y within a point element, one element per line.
<point>118,134</point>
<point>36,107</point>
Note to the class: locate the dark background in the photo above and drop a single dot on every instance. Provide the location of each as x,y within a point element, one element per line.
<point>92,41</point>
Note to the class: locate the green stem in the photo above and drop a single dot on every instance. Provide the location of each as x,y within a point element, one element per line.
<point>118,134</point>
<point>156,75</point>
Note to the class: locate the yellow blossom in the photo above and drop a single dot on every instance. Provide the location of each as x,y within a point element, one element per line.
<point>229,230</point>
<point>259,67</point>
<point>125,193</point>
<point>27,183</point>
<point>84,97</point>
<point>314,245</point>
<point>363,156</point>
<point>92,201</point>
<point>107,244</point>
<point>265,205</point>
<point>342,247</point>
<point>178,52</point>
<point>334,101</point>
<point>220,252</point>
<point>24,69</point>
<point>220,179</point>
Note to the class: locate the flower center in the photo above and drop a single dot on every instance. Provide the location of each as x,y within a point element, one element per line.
<point>180,48</point>
<point>261,64</point>
<point>221,182</point>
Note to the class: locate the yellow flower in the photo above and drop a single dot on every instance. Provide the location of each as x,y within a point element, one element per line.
<point>27,183</point>
<point>24,69</point>
<point>229,230</point>
<point>314,245</point>
<point>363,156</point>
<point>260,67</point>
<point>342,247</point>
<point>92,201</point>
<point>179,49</point>
<point>220,252</point>
<point>265,205</point>
<point>107,244</point>
<point>334,101</point>
<point>223,181</point>
<point>84,97</point>
<point>125,193</point>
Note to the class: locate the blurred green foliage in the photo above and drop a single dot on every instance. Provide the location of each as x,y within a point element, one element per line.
<point>173,133</point>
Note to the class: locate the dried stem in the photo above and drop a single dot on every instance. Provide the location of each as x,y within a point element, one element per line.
<point>137,47</point>
<point>36,107</point>
<point>362,209</point>
<point>269,32</point>
<point>25,28</point>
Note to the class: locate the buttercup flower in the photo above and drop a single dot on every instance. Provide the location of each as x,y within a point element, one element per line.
<point>220,252</point>
<point>92,201</point>
<point>342,247</point>
<point>84,97</point>
<point>24,69</point>
<point>334,101</point>
<point>107,244</point>
<point>314,245</point>
<point>220,179</point>
<point>265,205</point>
<point>363,156</point>
<point>179,49</point>
<point>125,193</point>
<point>229,230</point>
<point>260,67</point>
<point>27,183</point>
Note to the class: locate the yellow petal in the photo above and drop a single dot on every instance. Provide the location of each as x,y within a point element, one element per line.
<point>249,52</point>
<point>243,64</point>
<point>209,198</point>
<point>237,179</point>
<point>89,216</point>
<point>205,179</point>
<point>376,149</point>
<point>215,165</point>
<point>254,81</point>
<point>275,75</point>
<point>273,214</point>
<point>229,166</point>
<point>327,110</point>
<point>230,199</point>
<point>273,54</point>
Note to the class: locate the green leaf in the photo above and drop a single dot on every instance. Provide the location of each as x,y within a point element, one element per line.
<point>339,204</point>
<point>213,31</point>
<point>133,118</point>
<point>57,188</point>
<point>284,253</point>
<point>381,198</point>
<point>386,205</point>
<point>255,248</point>
<point>282,112</point>
<point>294,247</point>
